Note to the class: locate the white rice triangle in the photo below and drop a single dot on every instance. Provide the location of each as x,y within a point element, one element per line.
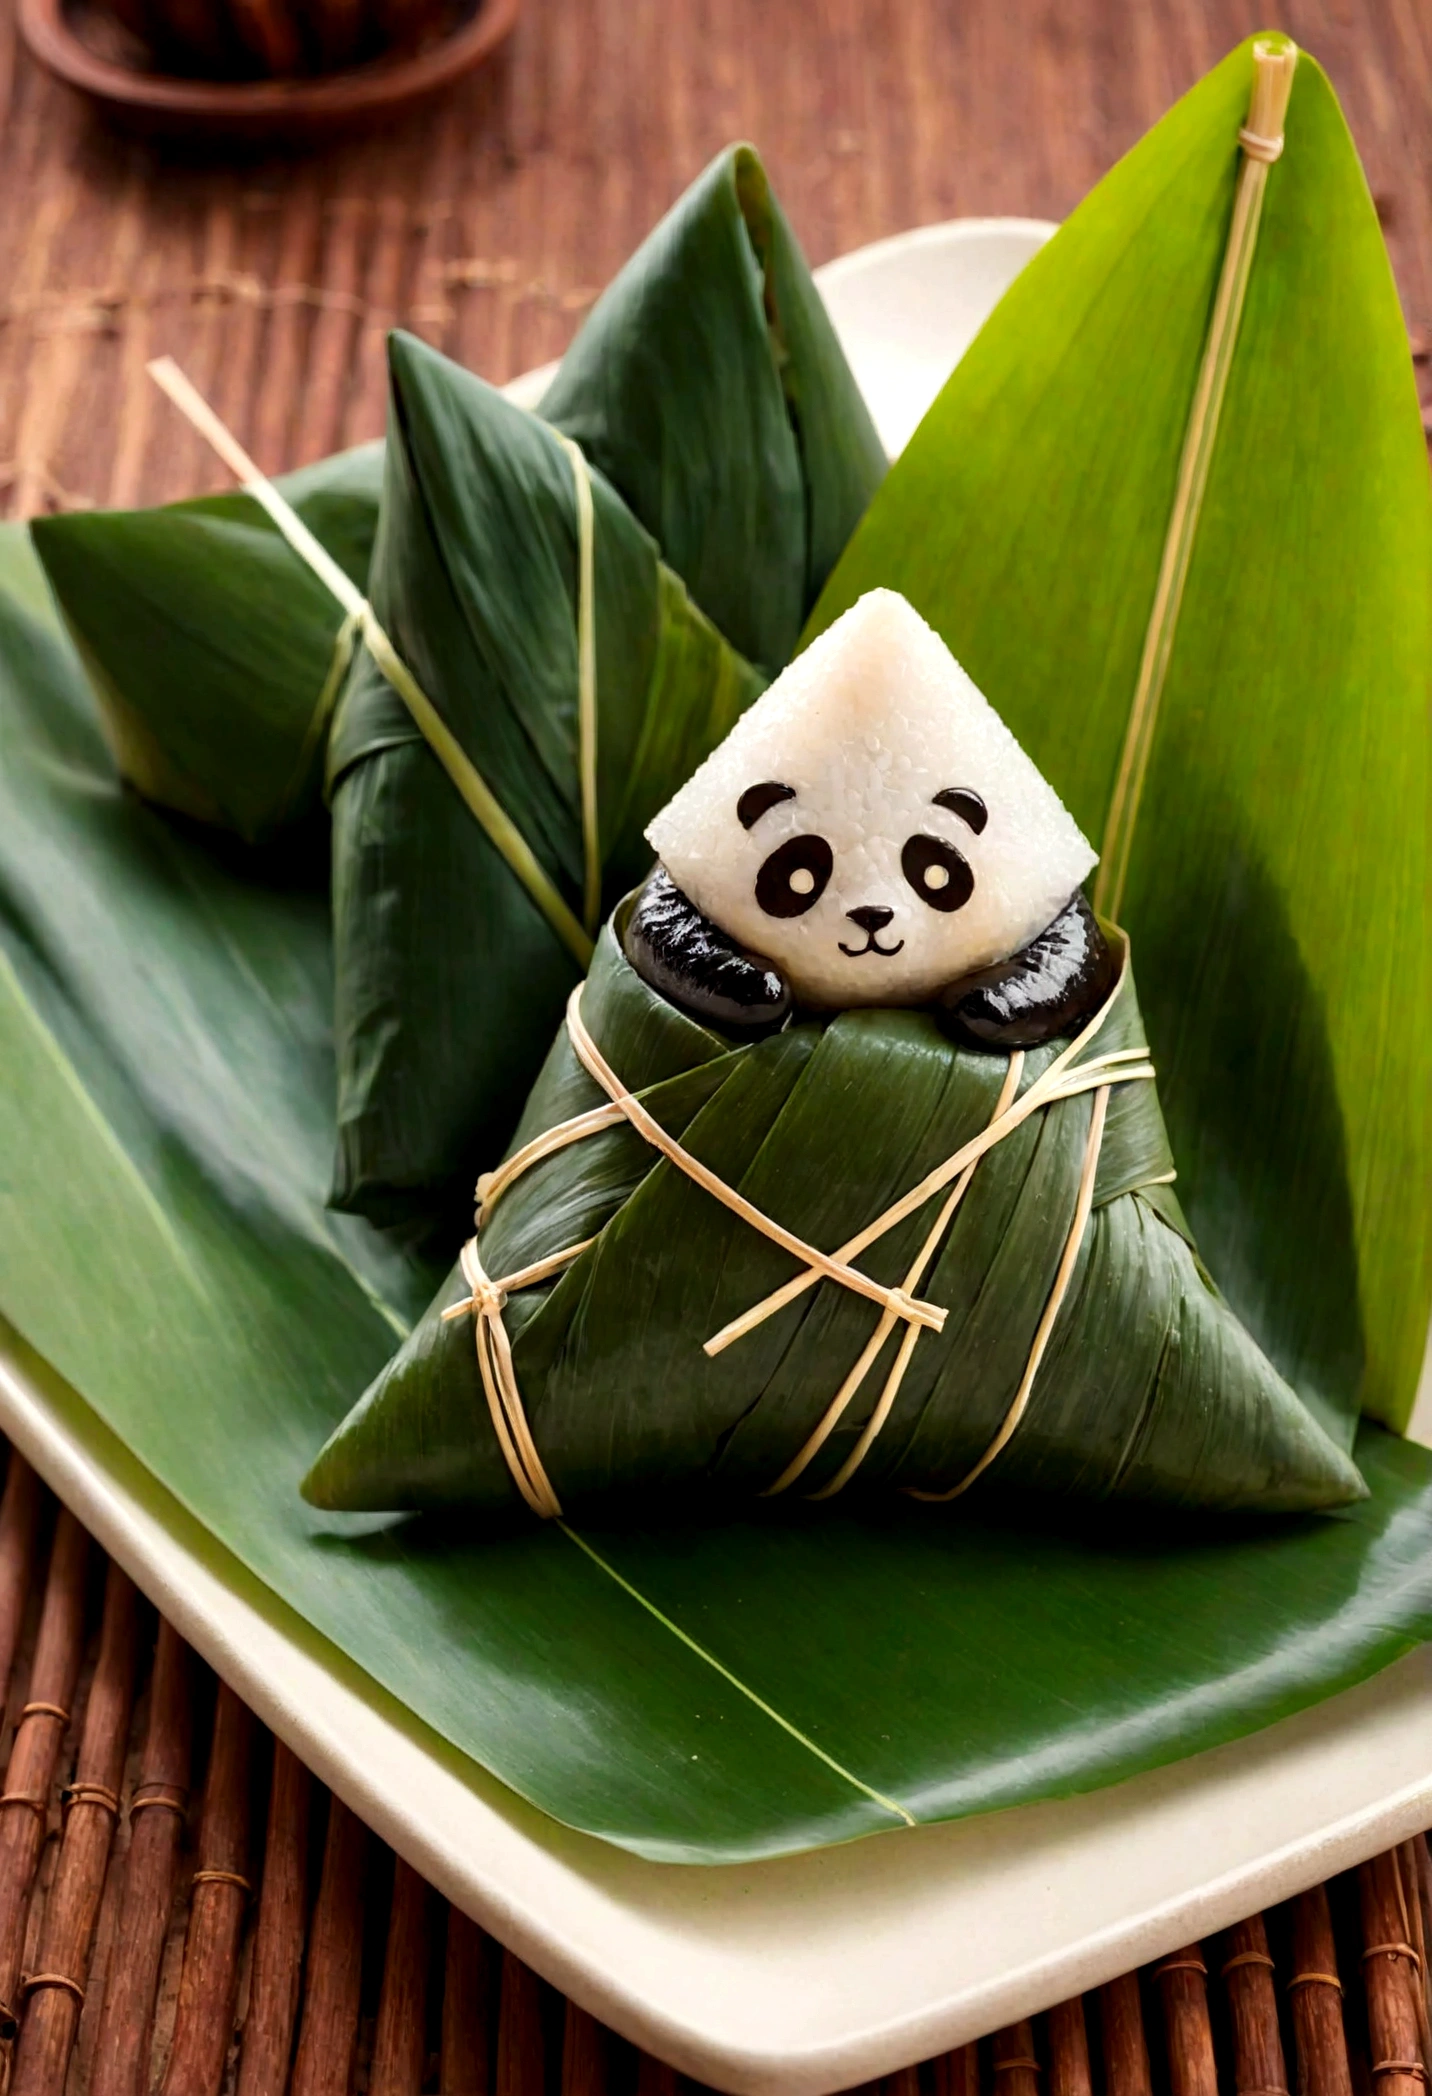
<point>867,726</point>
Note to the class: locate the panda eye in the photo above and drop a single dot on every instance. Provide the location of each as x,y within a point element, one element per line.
<point>792,880</point>
<point>939,874</point>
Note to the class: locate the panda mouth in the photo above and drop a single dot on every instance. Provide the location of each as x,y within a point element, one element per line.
<point>872,945</point>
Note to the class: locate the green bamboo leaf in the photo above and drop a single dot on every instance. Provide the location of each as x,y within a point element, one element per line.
<point>211,647</point>
<point>450,975</point>
<point>1277,878</point>
<point>708,386</point>
<point>703,1693</point>
<point>1149,1390</point>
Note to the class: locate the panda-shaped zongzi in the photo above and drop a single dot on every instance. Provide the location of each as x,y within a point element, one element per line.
<point>870,833</point>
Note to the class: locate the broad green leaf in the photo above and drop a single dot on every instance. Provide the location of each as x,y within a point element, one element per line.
<point>698,1694</point>
<point>209,643</point>
<point>1278,893</point>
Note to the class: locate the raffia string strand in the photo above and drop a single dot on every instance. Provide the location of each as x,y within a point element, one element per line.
<point>1262,142</point>
<point>159,1797</point>
<point>1057,1293</point>
<point>492,1185</point>
<point>1012,1076</point>
<point>1065,1078</point>
<point>478,796</point>
<point>586,686</point>
<point>645,1123</point>
<point>91,1794</point>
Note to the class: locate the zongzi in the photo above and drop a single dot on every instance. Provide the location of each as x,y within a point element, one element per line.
<point>215,655</point>
<point>470,869</point>
<point>729,457</point>
<point>648,1305</point>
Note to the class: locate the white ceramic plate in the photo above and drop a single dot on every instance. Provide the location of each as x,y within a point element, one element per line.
<point>820,1971</point>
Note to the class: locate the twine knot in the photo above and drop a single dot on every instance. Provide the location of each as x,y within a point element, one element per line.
<point>1258,148</point>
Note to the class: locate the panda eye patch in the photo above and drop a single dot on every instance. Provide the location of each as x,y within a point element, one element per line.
<point>793,879</point>
<point>939,874</point>
<point>757,801</point>
<point>964,802</point>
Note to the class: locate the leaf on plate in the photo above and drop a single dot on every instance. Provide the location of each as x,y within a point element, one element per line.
<point>697,1692</point>
<point>1277,888</point>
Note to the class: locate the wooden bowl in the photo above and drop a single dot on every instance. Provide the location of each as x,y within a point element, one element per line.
<point>260,111</point>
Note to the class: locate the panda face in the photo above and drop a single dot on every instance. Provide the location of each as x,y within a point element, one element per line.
<point>838,906</point>
<point>870,826</point>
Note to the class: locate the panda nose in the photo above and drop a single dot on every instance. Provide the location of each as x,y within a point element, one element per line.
<point>871,917</point>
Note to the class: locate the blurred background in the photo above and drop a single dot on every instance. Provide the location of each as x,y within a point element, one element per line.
<point>487,219</point>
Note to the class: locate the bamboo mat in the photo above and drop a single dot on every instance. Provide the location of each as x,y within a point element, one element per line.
<point>201,1916</point>
<point>184,1910</point>
<point>488,225</point>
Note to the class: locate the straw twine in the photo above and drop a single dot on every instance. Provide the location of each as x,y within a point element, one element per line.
<point>1066,1077</point>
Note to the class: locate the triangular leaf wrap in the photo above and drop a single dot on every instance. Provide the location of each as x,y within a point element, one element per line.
<point>210,645</point>
<point>1278,892</point>
<point>708,385</point>
<point>1150,1388</point>
<point>449,977</point>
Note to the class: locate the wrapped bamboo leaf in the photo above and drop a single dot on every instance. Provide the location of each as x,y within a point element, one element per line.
<point>1146,1387</point>
<point>210,646</point>
<point>690,1268</point>
<point>581,685</point>
<point>708,385</point>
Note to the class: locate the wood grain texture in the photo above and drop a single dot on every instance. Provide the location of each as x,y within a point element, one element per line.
<point>1315,1999</point>
<point>204,2015</point>
<point>1188,2032</point>
<point>333,1969</point>
<point>277,1971</point>
<point>34,1755</point>
<point>399,2047</point>
<point>1124,2044</point>
<point>55,1990</point>
<point>156,1820</point>
<point>489,223</point>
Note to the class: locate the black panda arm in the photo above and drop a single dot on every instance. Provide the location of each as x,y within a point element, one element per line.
<point>1050,987</point>
<point>683,955</point>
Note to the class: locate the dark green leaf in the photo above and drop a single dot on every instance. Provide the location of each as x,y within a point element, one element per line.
<point>709,387</point>
<point>210,644</point>
<point>449,977</point>
<point>1149,1390</point>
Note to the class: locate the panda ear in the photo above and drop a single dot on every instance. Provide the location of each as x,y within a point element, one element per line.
<point>964,802</point>
<point>757,800</point>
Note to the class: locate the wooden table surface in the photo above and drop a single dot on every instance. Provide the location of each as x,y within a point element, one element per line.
<point>488,224</point>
